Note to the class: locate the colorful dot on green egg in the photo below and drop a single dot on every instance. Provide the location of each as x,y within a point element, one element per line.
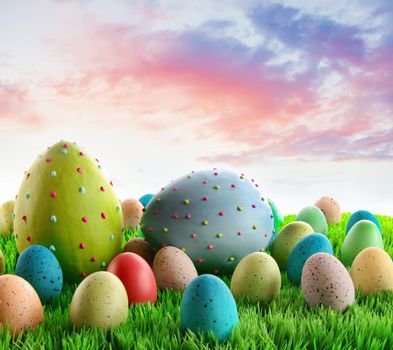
<point>231,258</point>
<point>52,248</point>
<point>103,264</point>
<point>239,208</point>
<point>205,222</point>
<point>117,208</point>
<point>217,187</point>
<point>82,190</point>
<point>111,237</point>
<point>189,177</point>
<point>186,201</point>
<point>165,229</point>
<point>53,219</point>
<point>254,227</point>
<point>64,151</point>
<point>13,215</point>
<point>53,173</point>
<point>219,235</point>
<point>99,166</point>
<point>27,195</point>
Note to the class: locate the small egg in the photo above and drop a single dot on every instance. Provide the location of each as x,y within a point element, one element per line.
<point>362,235</point>
<point>326,282</point>
<point>313,216</point>
<point>20,305</point>
<point>40,268</point>
<point>372,271</point>
<point>140,246</point>
<point>132,213</point>
<point>307,246</point>
<point>2,263</point>
<point>330,208</point>
<point>145,199</point>
<point>362,215</point>
<point>173,269</point>
<point>100,301</point>
<point>6,220</point>
<point>257,278</point>
<point>208,307</point>
<point>286,239</point>
<point>137,277</point>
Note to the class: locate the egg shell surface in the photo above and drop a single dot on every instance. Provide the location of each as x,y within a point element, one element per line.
<point>256,278</point>
<point>137,277</point>
<point>208,306</point>
<point>132,213</point>
<point>372,271</point>
<point>286,239</point>
<point>326,282</point>
<point>6,220</point>
<point>173,269</point>
<point>362,235</point>
<point>140,246</point>
<point>20,305</point>
<point>362,215</point>
<point>330,208</point>
<point>313,216</point>
<point>145,199</point>
<point>309,245</point>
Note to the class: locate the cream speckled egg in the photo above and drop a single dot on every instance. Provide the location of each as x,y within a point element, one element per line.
<point>20,305</point>
<point>6,220</point>
<point>325,281</point>
<point>132,213</point>
<point>173,269</point>
<point>2,263</point>
<point>99,301</point>
<point>372,271</point>
<point>257,278</point>
<point>140,246</point>
<point>330,208</point>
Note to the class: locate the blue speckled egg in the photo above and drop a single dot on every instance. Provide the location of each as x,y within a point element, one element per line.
<point>309,245</point>
<point>41,269</point>
<point>362,215</point>
<point>145,199</point>
<point>208,306</point>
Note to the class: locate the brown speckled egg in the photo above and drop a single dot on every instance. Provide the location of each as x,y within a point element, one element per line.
<point>2,263</point>
<point>372,271</point>
<point>132,213</point>
<point>326,281</point>
<point>330,208</point>
<point>173,269</point>
<point>20,305</point>
<point>99,301</point>
<point>140,246</point>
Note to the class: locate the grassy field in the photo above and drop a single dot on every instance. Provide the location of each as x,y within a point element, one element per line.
<point>286,323</point>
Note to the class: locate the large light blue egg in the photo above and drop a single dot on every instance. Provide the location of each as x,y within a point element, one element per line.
<point>145,199</point>
<point>38,266</point>
<point>208,306</point>
<point>362,215</point>
<point>307,246</point>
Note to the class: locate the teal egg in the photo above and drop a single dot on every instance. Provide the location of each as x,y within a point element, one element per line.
<point>278,219</point>
<point>208,307</point>
<point>307,246</point>
<point>315,217</point>
<point>145,199</point>
<point>362,215</point>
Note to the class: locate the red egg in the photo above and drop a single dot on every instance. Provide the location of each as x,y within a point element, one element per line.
<point>137,277</point>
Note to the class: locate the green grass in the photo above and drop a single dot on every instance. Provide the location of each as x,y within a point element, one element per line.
<point>286,323</point>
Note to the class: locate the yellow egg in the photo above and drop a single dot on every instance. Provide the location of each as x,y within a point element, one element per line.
<point>6,220</point>
<point>372,271</point>
<point>257,278</point>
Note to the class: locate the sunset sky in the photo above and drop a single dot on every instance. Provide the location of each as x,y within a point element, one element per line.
<point>296,94</point>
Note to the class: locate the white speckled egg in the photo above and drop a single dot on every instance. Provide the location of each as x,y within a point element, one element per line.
<point>330,208</point>
<point>140,246</point>
<point>325,281</point>
<point>20,305</point>
<point>257,278</point>
<point>372,271</point>
<point>173,268</point>
<point>132,213</point>
<point>99,301</point>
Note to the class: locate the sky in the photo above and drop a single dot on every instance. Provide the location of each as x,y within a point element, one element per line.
<point>296,94</point>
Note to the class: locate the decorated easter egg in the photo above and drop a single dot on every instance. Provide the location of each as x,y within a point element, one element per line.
<point>372,271</point>
<point>145,199</point>
<point>173,269</point>
<point>313,216</point>
<point>208,307</point>
<point>286,239</point>
<point>217,216</point>
<point>278,218</point>
<point>38,266</point>
<point>330,208</point>
<point>326,282</point>
<point>132,213</point>
<point>6,217</point>
<point>65,202</point>
<point>20,305</point>
<point>362,215</point>
<point>256,278</point>
<point>140,246</point>
<point>362,235</point>
<point>99,301</point>
<point>309,245</point>
<point>137,277</point>
<point>2,263</point>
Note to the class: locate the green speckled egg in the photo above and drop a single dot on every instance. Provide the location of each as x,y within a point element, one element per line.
<point>286,239</point>
<point>315,217</point>
<point>257,278</point>
<point>362,235</point>
<point>99,301</point>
